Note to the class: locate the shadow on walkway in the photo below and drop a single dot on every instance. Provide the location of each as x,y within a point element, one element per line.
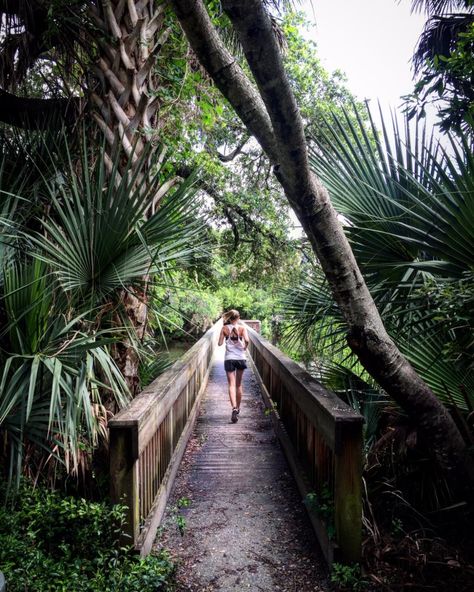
<point>246,526</point>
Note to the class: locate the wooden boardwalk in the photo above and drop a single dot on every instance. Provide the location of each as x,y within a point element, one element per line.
<point>246,526</point>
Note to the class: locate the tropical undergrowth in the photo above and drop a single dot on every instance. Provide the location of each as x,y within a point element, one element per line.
<point>188,307</point>
<point>408,207</point>
<point>79,234</point>
<point>51,542</point>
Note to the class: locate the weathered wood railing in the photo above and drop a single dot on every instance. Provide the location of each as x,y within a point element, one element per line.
<point>322,438</point>
<point>148,439</point>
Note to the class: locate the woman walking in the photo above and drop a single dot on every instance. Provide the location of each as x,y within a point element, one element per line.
<point>236,340</point>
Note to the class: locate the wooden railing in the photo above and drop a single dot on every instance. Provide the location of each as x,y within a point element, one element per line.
<point>322,439</point>
<point>148,439</point>
<point>321,436</point>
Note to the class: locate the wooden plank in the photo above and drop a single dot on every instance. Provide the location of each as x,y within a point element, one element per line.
<point>173,380</point>
<point>133,433</point>
<point>336,434</point>
<point>323,408</point>
<point>348,495</point>
<point>289,370</point>
<point>254,324</point>
<point>149,409</point>
<point>124,480</point>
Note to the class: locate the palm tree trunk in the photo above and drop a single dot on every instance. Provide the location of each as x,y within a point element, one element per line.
<point>125,108</point>
<point>125,101</point>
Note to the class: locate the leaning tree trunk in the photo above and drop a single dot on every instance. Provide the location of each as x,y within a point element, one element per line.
<point>272,116</point>
<point>125,107</point>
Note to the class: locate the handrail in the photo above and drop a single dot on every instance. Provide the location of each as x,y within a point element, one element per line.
<point>322,439</point>
<point>148,439</point>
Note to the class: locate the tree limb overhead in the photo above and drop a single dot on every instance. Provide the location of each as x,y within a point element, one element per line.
<point>226,72</point>
<point>37,113</point>
<point>276,123</point>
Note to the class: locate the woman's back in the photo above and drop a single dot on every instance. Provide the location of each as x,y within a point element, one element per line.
<point>234,342</point>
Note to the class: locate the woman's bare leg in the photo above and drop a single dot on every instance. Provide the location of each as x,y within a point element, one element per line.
<point>231,381</point>
<point>238,385</point>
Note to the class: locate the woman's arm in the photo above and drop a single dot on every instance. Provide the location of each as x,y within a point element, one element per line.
<point>245,336</point>
<point>221,337</point>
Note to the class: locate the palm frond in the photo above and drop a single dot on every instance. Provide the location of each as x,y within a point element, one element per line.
<point>311,315</point>
<point>439,37</point>
<point>432,7</point>
<point>98,239</point>
<point>52,370</point>
<point>402,204</point>
<point>95,242</point>
<point>408,208</point>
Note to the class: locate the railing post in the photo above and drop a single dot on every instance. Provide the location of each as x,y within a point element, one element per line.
<point>253,324</point>
<point>348,491</point>
<point>124,478</point>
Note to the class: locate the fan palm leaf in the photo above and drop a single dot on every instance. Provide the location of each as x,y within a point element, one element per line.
<point>98,239</point>
<point>408,206</point>
<point>439,37</point>
<point>52,371</point>
<point>94,241</point>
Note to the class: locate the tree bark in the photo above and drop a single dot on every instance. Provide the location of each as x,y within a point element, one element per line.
<point>284,142</point>
<point>125,101</point>
<point>125,108</point>
<point>34,114</point>
<point>225,71</point>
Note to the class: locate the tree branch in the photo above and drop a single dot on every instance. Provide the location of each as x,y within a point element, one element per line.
<point>185,171</point>
<point>37,113</point>
<point>226,72</point>
<point>278,127</point>
<point>262,51</point>
<point>238,150</point>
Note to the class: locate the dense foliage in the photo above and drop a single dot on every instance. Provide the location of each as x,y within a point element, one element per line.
<point>88,239</point>
<point>187,307</point>
<point>75,241</point>
<point>408,209</point>
<point>49,542</point>
<point>444,64</point>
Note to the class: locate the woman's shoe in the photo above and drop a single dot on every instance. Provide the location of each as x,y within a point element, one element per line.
<point>233,417</point>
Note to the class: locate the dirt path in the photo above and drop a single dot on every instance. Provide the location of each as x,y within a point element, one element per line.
<point>246,526</point>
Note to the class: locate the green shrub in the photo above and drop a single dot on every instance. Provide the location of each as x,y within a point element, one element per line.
<point>184,311</point>
<point>200,311</point>
<point>348,577</point>
<point>52,543</point>
<point>323,505</point>
<point>179,312</point>
<point>252,303</point>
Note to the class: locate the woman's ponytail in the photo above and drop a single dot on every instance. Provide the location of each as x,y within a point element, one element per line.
<point>230,315</point>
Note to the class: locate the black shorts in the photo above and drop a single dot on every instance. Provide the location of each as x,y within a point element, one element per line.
<point>232,365</point>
